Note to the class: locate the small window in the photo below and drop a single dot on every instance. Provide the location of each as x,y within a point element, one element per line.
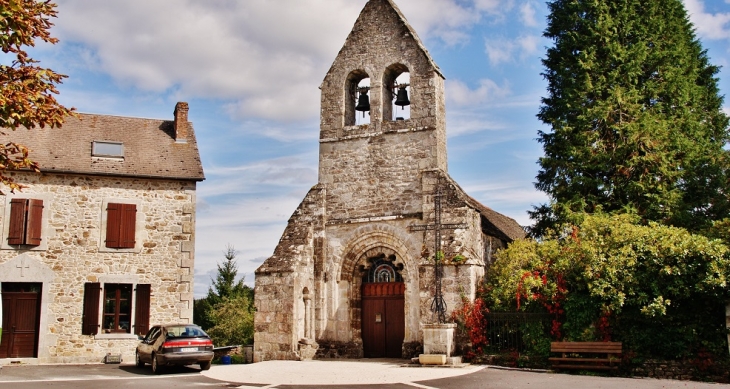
<point>107,149</point>
<point>26,217</point>
<point>117,308</point>
<point>120,225</point>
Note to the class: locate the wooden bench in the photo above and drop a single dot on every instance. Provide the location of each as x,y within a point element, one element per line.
<point>586,355</point>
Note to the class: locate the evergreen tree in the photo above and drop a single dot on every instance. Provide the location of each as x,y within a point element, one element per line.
<point>635,116</point>
<point>224,293</point>
<point>225,284</point>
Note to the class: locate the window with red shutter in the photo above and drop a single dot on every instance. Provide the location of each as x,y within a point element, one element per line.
<point>90,317</point>
<point>34,225</point>
<point>142,309</point>
<point>121,224</point>
<point>26,222</point>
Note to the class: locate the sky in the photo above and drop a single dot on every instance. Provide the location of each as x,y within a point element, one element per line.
<point>250,71</point>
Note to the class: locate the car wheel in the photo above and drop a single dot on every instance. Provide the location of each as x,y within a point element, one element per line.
<point>137,360</point>
<point>205,365</point>
<point>156,368</point>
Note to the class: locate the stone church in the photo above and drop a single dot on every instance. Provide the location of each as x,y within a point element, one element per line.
<point>354,272</point>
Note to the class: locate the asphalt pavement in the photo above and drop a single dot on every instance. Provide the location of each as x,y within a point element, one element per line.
<point>329,374</point>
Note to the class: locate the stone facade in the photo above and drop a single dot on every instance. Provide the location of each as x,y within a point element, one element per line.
<point>377,182</point>
<point>73,252</point>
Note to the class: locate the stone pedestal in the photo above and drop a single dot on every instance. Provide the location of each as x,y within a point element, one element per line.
<point>439,339</point>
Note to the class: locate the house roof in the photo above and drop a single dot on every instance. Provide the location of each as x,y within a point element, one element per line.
<point>150,149</point>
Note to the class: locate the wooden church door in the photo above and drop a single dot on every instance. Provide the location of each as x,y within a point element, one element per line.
<point>21,317</point>
<point>383,311</point>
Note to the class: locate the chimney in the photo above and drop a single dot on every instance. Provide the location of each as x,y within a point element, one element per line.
<point>181,122</point>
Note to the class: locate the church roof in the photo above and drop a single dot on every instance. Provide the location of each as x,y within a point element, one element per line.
<point>497,223</point>
<point>149,147</point>
<point>493,222</point>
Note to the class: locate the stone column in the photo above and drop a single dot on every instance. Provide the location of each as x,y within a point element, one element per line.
<point>308,317</point>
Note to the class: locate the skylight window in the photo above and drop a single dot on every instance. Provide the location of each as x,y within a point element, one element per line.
<point>107,149</point>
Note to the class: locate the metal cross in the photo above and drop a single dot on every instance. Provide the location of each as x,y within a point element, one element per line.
<point>22,266</point>
<point>438,305</point>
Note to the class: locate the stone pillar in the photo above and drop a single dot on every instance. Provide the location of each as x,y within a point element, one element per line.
<point>308,317</point>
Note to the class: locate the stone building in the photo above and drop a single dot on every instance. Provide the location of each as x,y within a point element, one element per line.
<point>101,243</point>
<point>353,273</point>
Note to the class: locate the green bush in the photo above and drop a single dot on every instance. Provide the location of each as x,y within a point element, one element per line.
<point>659,289</point>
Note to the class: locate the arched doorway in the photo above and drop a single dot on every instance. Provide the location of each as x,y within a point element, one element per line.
<point>383,313</point>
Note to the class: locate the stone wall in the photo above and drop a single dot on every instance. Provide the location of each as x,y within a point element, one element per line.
<point>683,370</point>
<point>73,253</point>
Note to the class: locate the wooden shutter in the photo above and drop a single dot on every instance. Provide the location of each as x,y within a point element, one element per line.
<point>142,309</point>
<point>121,223</point>
<point>16,233</point>
<point>34,223</point>
<point>90,318</point>
<point>128,225</point>
<point>113,224</point>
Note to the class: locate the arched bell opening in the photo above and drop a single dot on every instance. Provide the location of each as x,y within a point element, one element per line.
<point>397,93</point>
<point>357,98</point>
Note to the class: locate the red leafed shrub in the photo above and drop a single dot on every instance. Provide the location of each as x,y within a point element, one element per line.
<point>471,316</point>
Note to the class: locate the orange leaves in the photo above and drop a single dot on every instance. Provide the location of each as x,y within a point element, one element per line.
<point>26,90</point>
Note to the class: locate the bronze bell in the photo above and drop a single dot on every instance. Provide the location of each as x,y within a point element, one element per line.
<point>402,98</point>
<point>363,102</point>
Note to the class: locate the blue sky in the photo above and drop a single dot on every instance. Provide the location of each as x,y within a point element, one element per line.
<point>250,71</point>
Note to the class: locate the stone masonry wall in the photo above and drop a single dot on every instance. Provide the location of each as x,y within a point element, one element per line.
<point>73,253</point>
<point>282,279</point>
<point>375,176</point>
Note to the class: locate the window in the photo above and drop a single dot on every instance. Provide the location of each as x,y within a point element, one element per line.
<point>117,308</point>
<point>26,217</point>
<point>120,225</point>
<point>119,302</point>
<point>107,149</point>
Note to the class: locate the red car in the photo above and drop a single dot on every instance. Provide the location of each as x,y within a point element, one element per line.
<point>174,345</point>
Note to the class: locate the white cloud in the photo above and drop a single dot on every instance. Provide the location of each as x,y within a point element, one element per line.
<point>459,94</point>
<point>281,174</point>
<point>266,58</point>
<point>450,20</point>
<point>527,15</point>
<point>501,51</point>
<point>708,25</point>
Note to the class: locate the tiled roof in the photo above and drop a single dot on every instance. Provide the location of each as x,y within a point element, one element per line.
<point>150,147</point>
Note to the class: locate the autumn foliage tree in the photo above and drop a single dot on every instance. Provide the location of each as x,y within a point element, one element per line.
<point>635,116</point>
<point>26,89</point>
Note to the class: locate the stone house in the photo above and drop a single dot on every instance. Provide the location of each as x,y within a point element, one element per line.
<point>100,245</point>
<point>354,272</point>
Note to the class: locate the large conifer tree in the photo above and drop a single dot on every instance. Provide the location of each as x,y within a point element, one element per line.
<point>635,115</point>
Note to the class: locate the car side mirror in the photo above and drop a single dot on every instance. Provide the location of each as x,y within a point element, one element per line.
<point>140,337</point>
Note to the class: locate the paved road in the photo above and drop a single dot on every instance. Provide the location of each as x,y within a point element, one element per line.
<point>288,375</point>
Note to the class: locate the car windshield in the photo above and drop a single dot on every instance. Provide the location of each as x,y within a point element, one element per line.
<point>185,332</point>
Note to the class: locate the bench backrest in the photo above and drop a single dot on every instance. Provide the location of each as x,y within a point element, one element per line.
<point>586,347</point>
